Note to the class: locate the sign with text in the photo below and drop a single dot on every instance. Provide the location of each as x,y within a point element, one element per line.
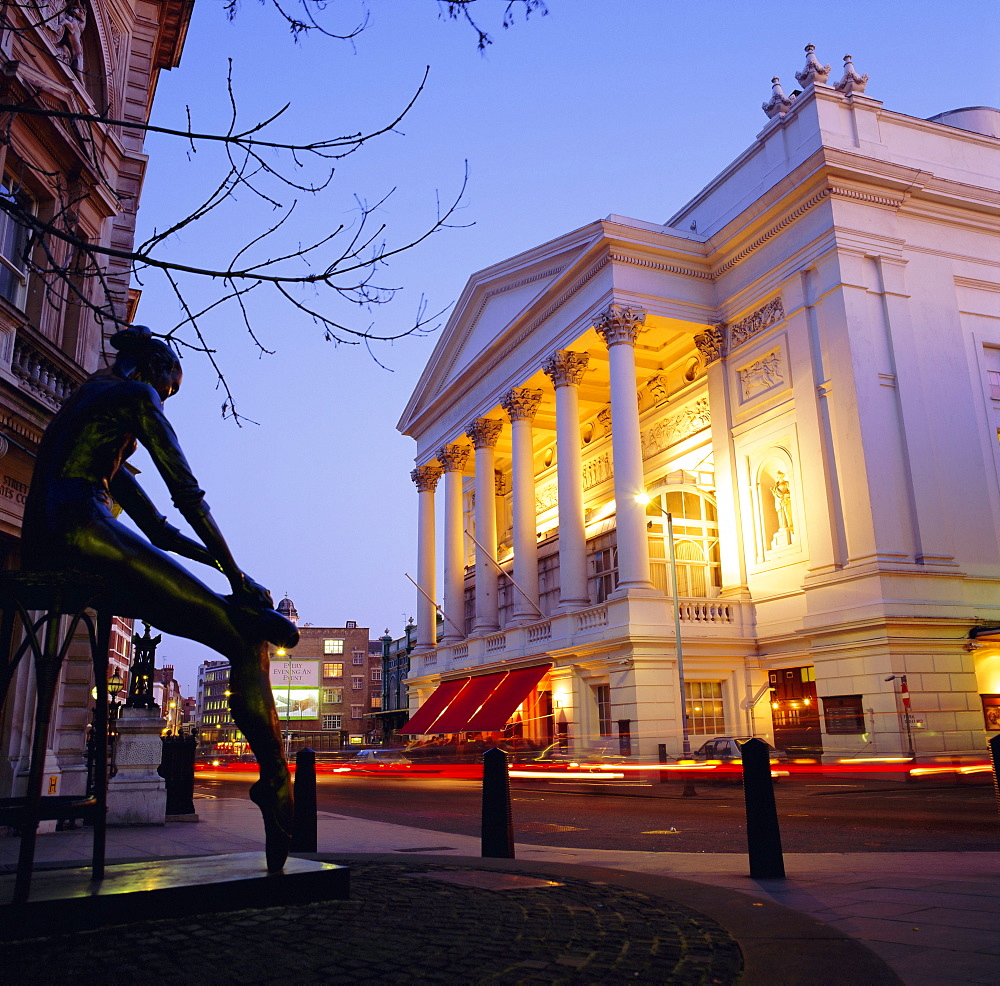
<point>295,685</point>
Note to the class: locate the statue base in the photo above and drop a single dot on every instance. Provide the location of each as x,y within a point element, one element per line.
<point>137,794</point>
<point>69,900</point>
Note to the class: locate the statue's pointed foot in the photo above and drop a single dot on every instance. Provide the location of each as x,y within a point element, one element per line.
<point>275,803</point>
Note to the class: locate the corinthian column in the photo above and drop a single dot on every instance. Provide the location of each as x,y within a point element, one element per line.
<point>484,433</point>
<point>453,459</point>
<point>521,403</point>
<point>565,369</point>
<point>426,477</point>
<point>619,326</point>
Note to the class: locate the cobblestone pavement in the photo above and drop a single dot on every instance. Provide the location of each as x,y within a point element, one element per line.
<point>412,923</point>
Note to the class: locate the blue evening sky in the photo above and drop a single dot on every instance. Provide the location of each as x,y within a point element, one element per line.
<point>603,106</point>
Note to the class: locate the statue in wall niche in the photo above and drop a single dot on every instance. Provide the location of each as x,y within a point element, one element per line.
<point>66,20</point>
<point>69,525</point>
<point>782,493</point>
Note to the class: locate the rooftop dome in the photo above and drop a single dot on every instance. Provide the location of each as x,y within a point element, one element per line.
<point>287,609</point>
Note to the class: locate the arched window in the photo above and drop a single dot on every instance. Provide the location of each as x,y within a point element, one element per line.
<point>696,542</point>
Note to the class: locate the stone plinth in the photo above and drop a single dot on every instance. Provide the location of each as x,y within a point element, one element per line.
<point>137,794</point>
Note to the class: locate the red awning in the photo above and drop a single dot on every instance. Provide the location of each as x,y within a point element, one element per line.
<point>511,690</point>
<point>425,716</point>
<point>476,704</point>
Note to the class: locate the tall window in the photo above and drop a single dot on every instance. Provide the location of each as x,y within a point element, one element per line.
<point>696,543</point>
<point>13,237</point>
<point>703,706</point>
<point>331,670</point>
<point>603,567</point>
<point>602,693</point>
<point>333,645</point>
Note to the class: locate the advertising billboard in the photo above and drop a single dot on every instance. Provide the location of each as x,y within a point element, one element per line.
<point>295,684</point>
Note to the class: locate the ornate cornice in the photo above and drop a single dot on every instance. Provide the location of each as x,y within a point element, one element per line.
<point>773,231</point>
<point>484,432</point>
<point>426,477</point>
<point>521,403</point>
<point>619,325</point>
<point>624,258</point>
<point>453,457</point>
<point>566,368</point>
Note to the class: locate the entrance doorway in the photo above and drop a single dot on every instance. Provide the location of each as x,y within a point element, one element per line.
<point>795,711</point>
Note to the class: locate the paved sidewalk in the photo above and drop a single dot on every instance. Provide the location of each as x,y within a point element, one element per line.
<point>933,917</point>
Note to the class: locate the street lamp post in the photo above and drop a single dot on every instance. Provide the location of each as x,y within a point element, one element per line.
<point>646,500</point>
<point>281,652</point>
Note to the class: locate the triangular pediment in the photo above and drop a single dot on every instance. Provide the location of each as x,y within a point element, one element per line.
<point>496,302</point>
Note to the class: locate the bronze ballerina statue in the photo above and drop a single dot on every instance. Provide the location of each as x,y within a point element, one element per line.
<point>68,524</point>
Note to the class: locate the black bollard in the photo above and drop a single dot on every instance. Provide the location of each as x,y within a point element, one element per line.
<point>763,834</point>
<point>304,818</point>
<point>498,823</point>
<point>661,751</point>
<point>177,770</point>
<point>994,745</point>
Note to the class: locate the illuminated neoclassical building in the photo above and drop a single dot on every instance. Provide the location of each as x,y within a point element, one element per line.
<point>802,367</point>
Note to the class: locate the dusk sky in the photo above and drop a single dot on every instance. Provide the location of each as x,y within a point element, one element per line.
<point>628,107</point>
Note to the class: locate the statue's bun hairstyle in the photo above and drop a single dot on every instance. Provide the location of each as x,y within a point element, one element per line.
<point>140,355</point>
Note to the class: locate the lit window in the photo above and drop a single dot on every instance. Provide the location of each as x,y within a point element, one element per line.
<point>331,670</point>
<point>703,706</point>
<point>357,682</point>
<point>333,695</point>
<point>376,701</point>
<point>333,645</point>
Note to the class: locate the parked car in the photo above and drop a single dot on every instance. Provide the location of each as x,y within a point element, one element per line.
<point>727,748</point>
<point>378,758</point>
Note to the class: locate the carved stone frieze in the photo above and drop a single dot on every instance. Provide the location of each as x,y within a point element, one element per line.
<point>521,403</point>
<point>813,72</point>
<point>546,497</point>
<point>761,375</point>
<point>499,483</point>
<point>673,427</point>
<point>596,471</point>
<point>426,477</point>
<point>851,82</point>
<point>604,420</point>
<point>484,432</point>
<point>453,457</point>
<point>619,324</point>
<point>763,318</point>
<point>712,343</point>
<point>566,368</point>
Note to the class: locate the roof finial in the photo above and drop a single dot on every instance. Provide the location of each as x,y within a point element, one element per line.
<point>851,82</point>
<point>779,104</point>
<point>813,72</point>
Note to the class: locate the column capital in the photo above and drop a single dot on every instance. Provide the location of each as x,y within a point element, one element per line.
<point>619,324</point>
<point>521,403</point>
<point>426,477</point>
<point>566,368</point>
<point>484,432</point>
<point>453,457</point>
<point>712,343</point>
